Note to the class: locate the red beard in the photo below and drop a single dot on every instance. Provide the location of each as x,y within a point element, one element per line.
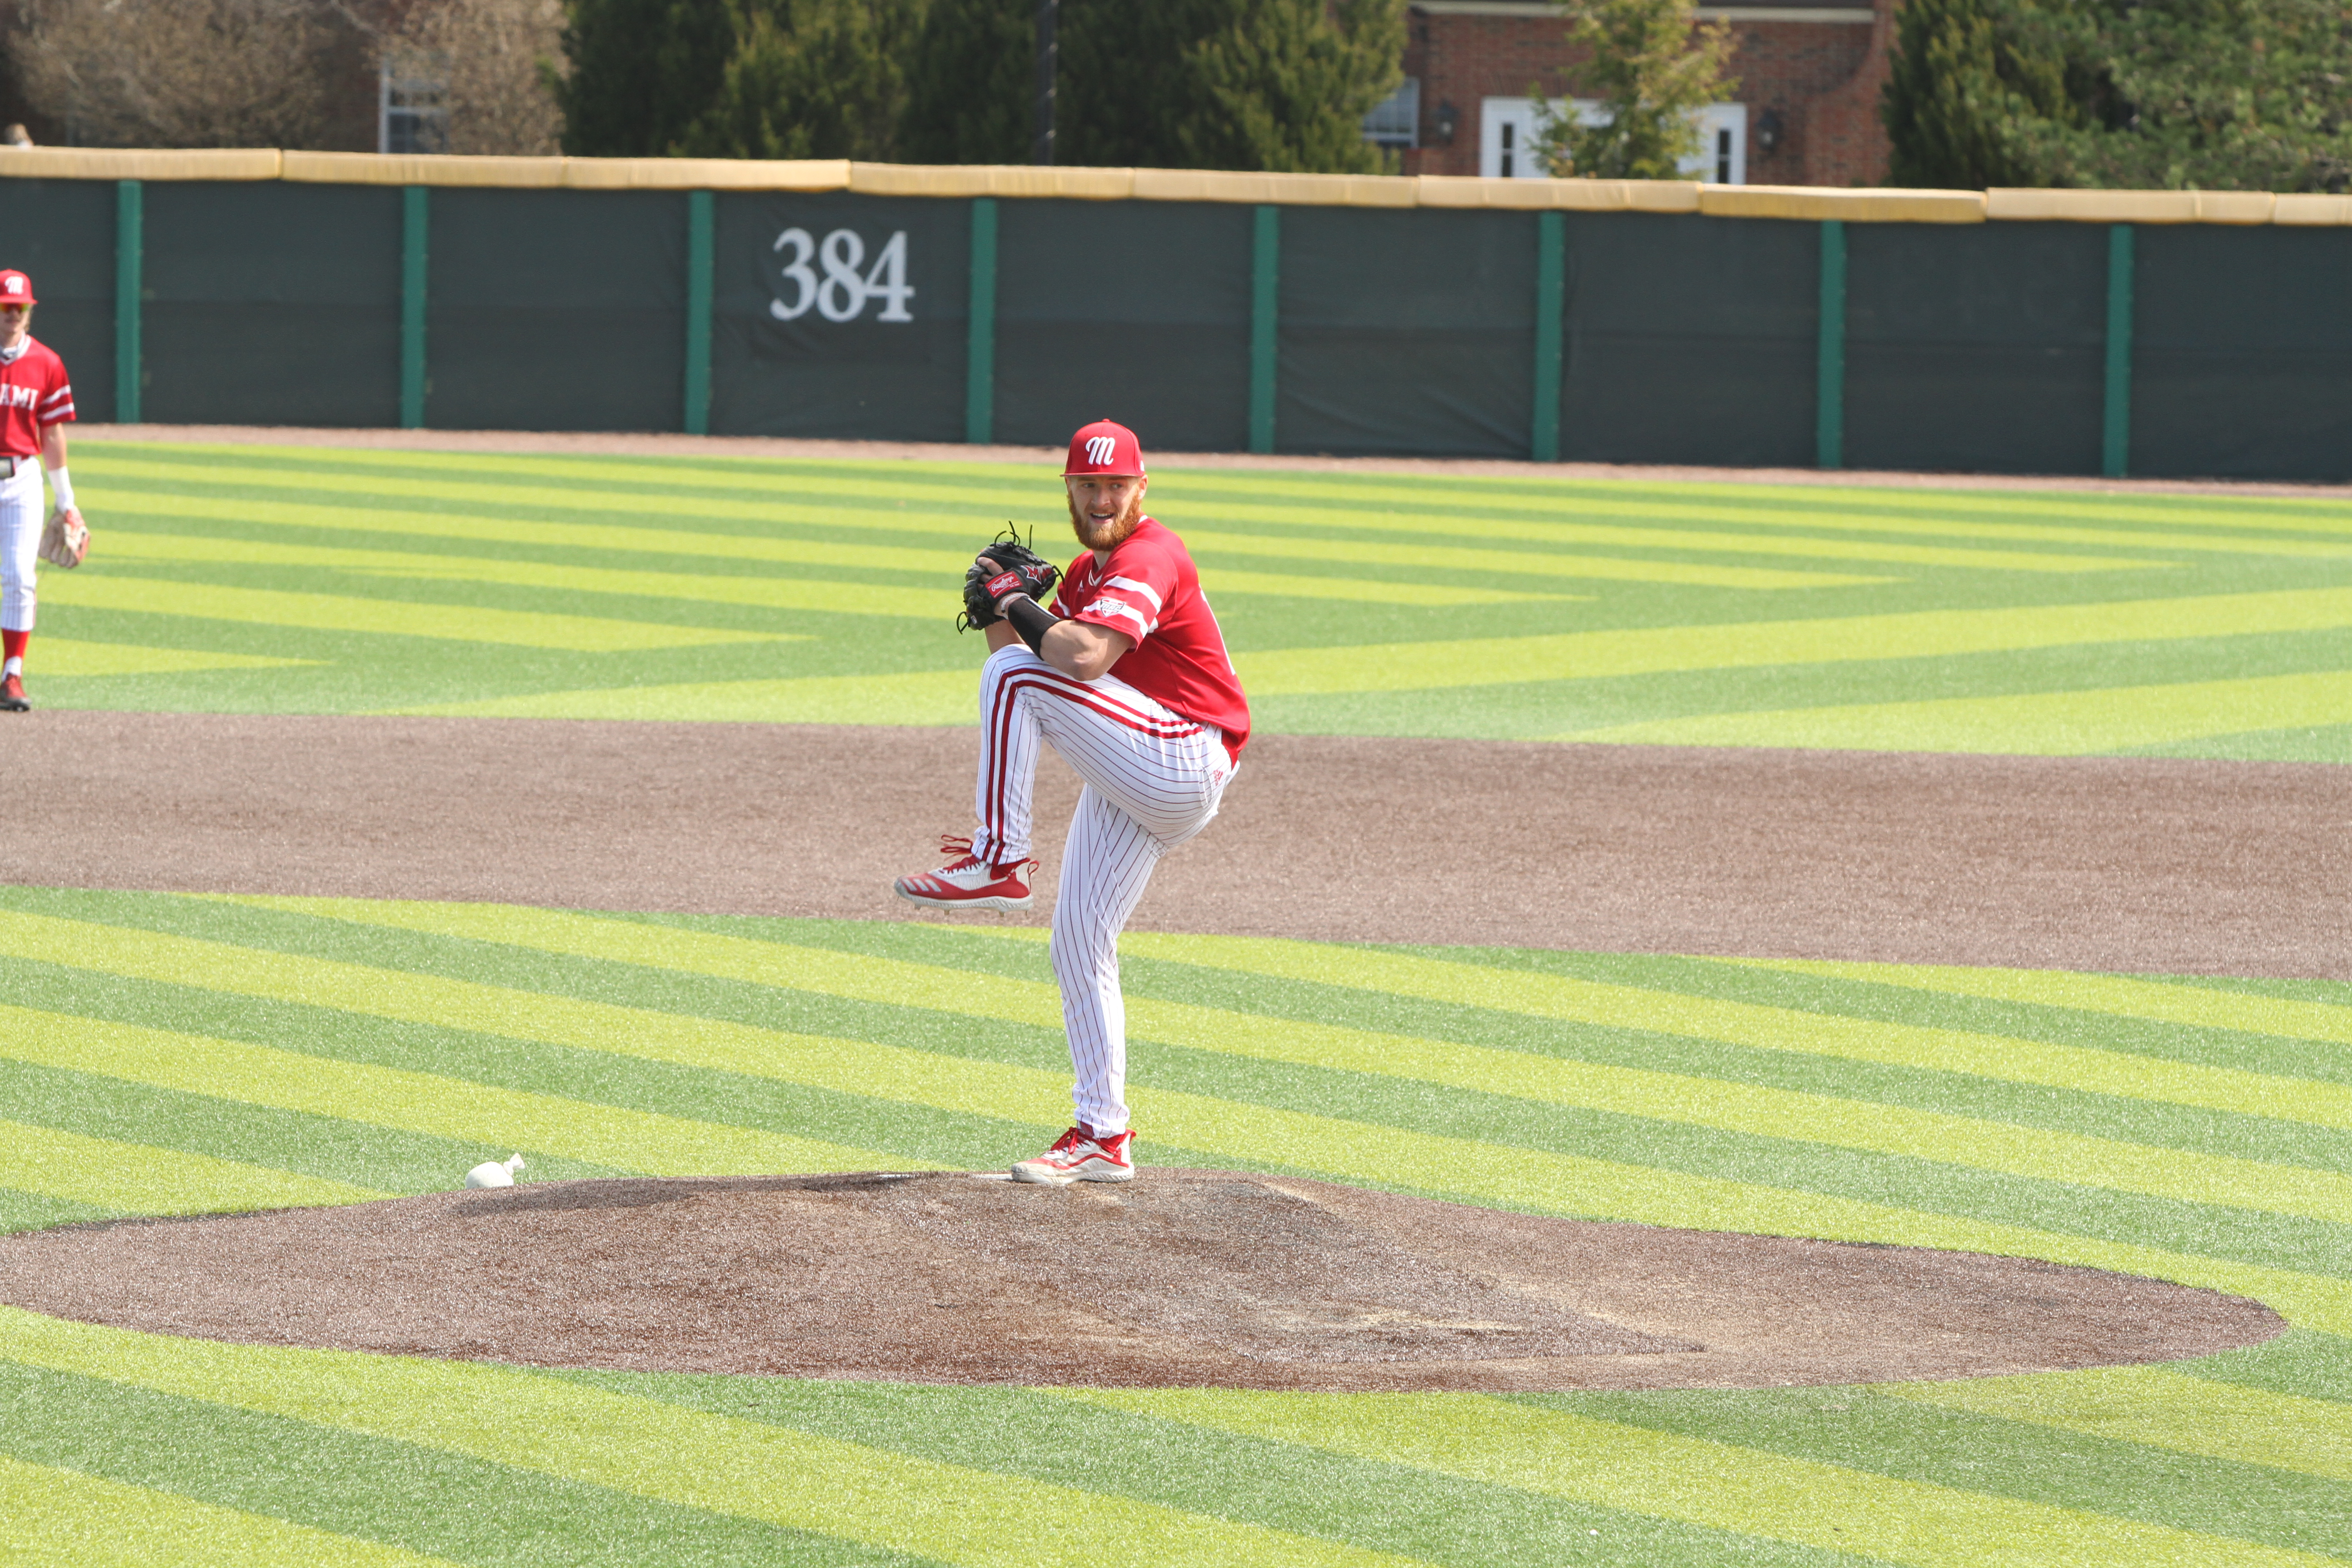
<point>1105,535</point>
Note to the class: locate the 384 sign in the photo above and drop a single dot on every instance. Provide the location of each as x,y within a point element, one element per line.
<point>848,284</point>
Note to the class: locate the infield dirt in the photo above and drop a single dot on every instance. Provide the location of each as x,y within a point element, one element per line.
<point>2149,865</point>
<point>1179,1278</point>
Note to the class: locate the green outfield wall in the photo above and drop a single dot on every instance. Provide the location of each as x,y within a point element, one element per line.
<point>2158,333</point>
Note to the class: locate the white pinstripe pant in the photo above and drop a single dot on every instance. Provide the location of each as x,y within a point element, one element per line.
<point>20,543</point>
<point>1153,779</point>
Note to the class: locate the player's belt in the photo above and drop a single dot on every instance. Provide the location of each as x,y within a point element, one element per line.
<point>8,467</point>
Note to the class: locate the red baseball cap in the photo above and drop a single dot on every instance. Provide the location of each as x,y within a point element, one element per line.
<point>1105,446</point>
<point>16,289</point>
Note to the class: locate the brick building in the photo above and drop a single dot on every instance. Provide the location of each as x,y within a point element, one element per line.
<point>1805,110</point>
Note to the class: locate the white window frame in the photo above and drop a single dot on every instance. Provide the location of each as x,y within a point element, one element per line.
<point>412,104</point>
<point>1395,120</point>
<point>1512,120</point>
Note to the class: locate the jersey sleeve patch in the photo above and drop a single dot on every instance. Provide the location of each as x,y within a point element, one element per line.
<point>1108,609</point>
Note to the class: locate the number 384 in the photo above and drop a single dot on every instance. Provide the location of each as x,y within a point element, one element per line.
<point>842,293</point>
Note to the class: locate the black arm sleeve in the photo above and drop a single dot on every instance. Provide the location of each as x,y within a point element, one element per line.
<point>1031,619</point>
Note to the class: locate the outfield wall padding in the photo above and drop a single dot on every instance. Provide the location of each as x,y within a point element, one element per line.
<point>2175,334</point>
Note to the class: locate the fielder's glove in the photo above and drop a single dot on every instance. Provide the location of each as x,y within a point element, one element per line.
<point>1018,569</point>
<point>66,540</point>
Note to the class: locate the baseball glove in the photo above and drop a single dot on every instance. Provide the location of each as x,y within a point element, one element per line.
<point>66,540</point>
<point>1018,569</point>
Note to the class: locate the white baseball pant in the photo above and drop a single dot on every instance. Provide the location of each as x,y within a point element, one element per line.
<point>20,543</point>
<point>1153,779</point>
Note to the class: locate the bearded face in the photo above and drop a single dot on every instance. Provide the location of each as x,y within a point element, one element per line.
<point>1104,510</point>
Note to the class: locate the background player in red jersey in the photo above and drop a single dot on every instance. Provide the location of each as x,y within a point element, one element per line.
<point>1127,678</point>
<point>35,404</point>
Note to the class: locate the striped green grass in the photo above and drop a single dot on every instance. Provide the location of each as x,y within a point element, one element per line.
<point>321,579</point>
<point>176,1054</point>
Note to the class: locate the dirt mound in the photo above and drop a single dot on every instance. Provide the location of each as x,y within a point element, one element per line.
<point>1181,1277</point>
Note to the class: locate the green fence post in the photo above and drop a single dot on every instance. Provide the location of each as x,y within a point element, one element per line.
<point>980,351</point>
<point>130,280</point>
<point>1543,442</point>
<point>413,211</point>
<point>2114,447</point>
<point>699,223</point>
<point>1829,382</point>
<point>1265,297</point>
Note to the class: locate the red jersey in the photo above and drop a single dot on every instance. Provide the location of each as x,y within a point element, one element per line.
<point>1150,590</point>
<point>34,395</point>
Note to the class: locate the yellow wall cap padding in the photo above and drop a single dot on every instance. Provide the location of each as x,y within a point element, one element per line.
<point>2312,209</point>
<point>706,174</point>
<point>423,169</point>
<point>109,163</point>
<point>1861,206</point>
<point>990,180</point>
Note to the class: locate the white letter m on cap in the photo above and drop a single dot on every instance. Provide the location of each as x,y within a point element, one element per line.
<point>1100,448</point>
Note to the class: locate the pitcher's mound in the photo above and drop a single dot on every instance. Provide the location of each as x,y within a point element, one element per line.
<point>1182,1276</point>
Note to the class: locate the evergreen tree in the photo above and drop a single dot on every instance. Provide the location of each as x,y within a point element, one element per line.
<point>972,82</point>
<point>1650,67</point>
<point>642,71</point>
<point>1285,85</point>
<point>1217,84</point>
<point>2213,95</point>
<point>1975,89</point>
<point>2134,94</point>
<point>810,79</point>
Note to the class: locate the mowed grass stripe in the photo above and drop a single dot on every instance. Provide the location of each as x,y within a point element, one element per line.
<point>1506,565</point>
<point>82,658</point>
<point>1481,513</point>
<point>1386,1507</point>
<point>1718,1485</point>
<point>1860,1429</point>
<point>948,1512</point>
<point>2124,996</point>
<point>935,698</point>
<point>139,1178</point>
<point>988,486</point>
<point>404,1494</point>
<point>834,553</point>
<point>1747,1108</point>
<point>766,590</point>
<point>1789,504</point>
<point>384,617</point>
<point>2166,1409</point>
<point>1748,644</point>
<point>833,595</point>
<point>2032,724</point>
<point>91,1521</point>
<point>332,1149</point>
<point>1541,1181</point>
<point>454,1109</point>
<point>1760,1026</point>
<point>1427,524</point>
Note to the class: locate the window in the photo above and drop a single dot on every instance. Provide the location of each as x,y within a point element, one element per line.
<point>1507,129</point>
<point>1395,120</point>
<point>413,103</point>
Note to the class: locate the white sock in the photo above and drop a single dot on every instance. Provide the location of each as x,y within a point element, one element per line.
<point>13,667</point>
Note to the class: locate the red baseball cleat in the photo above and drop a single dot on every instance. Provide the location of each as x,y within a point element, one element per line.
<point>969,882</point>
<point>12,696</point>
<point>1080,1156</point>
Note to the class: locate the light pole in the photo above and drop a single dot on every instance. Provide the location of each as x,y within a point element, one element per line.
<point>1040,144</point>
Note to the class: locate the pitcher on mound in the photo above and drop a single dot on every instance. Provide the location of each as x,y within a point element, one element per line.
<point>1126,676</point>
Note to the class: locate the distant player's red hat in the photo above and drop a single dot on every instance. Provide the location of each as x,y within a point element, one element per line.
<point>1105,446</point>
<point>16,289</point>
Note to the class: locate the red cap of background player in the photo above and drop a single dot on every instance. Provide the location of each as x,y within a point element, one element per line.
<point>16,289</point>
<point>1105,446</point>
